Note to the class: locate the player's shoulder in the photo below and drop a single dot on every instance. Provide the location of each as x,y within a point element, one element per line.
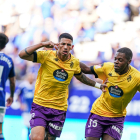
<point>74,61</point>
<point>51,53</point>
<point>107,65</point>
<point>7,56</point>
<point>73,58</point>
<point>135,72</point>
<point>46,51</point>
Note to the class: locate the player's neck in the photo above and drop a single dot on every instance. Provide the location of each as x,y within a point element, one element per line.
<point>125,70</point>
<point>63,58</point>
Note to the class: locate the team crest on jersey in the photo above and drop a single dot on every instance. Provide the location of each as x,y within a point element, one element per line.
<point>115,91</point>
<point>71,64</point>
<point>60,75</point>
<point>129,78</point>
<point>56,59</point>
<point>110,74</point>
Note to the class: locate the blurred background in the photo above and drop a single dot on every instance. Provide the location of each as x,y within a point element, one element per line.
<point>99,28</point>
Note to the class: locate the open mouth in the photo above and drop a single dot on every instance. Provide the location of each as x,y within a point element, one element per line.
<point>65,52</point>
<point>116,67</point>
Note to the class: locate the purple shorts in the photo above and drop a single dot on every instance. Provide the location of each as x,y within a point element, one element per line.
<point>52,119</point>
<point>96,126</point>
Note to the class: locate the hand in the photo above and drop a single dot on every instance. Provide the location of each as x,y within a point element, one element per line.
<point>103,86</point>
<point>49,44</point>
<point>9,101</point>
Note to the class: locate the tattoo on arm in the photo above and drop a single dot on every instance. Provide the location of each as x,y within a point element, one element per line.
<point>84,79</point>
<point>85,69</point>
<point>49,137</point>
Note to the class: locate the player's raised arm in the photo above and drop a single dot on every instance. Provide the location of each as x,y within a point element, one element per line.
<point>85,69</point>
<point>84,79</point>
<point>27,53</point>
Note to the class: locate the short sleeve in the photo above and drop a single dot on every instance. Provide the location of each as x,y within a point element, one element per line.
<point>99,71</point>
<point>78,69</point>
<point>139,86</point>
<point>41,56</point>
<point>12,70</point>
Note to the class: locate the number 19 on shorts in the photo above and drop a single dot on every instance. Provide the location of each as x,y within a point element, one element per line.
<point>92,123</point>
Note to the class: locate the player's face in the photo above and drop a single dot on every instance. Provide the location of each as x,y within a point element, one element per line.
<point>120,63</point>
<point>65,45</point>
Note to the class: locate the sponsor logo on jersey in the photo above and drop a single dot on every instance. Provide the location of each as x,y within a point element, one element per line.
<point>56,59</point>
<point>115,91</point>
<point>71,64</point>
<point>60,75</point>
<point>129,78</point>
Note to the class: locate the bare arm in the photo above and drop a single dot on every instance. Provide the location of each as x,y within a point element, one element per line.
<point>85,69</point>
<point>84,79</point>
<point>12,86</point>
<point>12,90</point>
<point>27,53</point>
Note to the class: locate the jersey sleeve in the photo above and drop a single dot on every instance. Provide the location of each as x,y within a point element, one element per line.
<point>12,70</point>
<point>78,69</point>
<point>139,86</point>
<point>99,71</point>
<point>41,56</point>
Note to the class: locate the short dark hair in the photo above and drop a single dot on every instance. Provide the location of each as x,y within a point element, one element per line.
<point>128,53</point>
<point>66,35</point>
<point>3,40</point>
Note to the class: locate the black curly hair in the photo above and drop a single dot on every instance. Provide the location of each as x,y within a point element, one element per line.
<point>66,35</point>
<point>3,40</point>
<point>128,53</point>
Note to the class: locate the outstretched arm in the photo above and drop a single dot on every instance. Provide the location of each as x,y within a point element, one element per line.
<point>27,53</point>
<point>85,69</point>
<point>84,79</point>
